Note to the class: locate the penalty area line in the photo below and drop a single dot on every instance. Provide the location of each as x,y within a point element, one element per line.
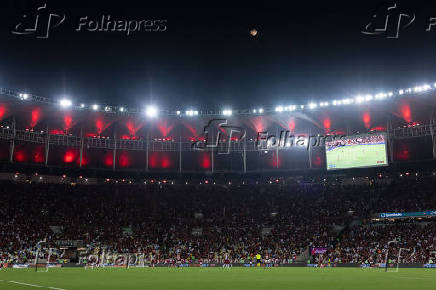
<point>33,285</point>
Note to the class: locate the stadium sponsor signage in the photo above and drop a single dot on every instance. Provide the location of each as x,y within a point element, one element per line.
<point>20,266</point>
<point>407,214</point>
<point>317,251</point>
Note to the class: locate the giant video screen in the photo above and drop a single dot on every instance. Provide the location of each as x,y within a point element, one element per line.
<point>356,151</point>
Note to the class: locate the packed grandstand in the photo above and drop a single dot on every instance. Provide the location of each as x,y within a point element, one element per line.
<point>288,222</point>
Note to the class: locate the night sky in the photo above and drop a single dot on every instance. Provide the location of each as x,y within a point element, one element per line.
<point>206,57</point>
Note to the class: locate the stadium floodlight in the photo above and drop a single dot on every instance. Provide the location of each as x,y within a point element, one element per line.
<point>390,94</point>
<point>260,110</point>
<point>177,113</point>
<point>279,109</point>
<point>401,92</point>
<point>95,107</point>
<point>368,98</point>
<point>254,111</point>
<point>227,112</point>
<point>359,99</point>
<point>434,85</point>
<point>65,103</point>
<point>312,106</point>
<point>121,109</point>
<point>346,101</point>
<point>82,106</point>
<point>301,106</point>
<point>151,111</point>
<point>196,113</point>
<point>292,108</point>
<point>24,96</point>
<point>107,109</point>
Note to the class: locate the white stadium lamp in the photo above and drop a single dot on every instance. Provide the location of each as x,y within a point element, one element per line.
<point>24,96</point>
<point>95,107</point>
<point>279,109</point>
<point>312,106</point>
<point>65,103</point>
<point>151,111</point>
<point>227,112</point>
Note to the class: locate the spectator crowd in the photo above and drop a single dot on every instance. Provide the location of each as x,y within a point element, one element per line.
<point>213,223</point>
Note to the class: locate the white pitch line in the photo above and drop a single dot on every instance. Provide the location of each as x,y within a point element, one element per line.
<point>26,284</point>
<point>33,285</point>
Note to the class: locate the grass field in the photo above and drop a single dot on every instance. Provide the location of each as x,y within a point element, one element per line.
<point>356,156</point>
<point>217,278</point>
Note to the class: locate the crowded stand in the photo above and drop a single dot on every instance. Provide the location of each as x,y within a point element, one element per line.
<point>212,223</point>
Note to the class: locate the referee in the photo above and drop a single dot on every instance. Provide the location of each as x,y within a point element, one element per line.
<point>258,257</point>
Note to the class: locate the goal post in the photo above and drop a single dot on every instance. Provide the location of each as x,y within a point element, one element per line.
<point>43,255</point>
<point>394,265</point>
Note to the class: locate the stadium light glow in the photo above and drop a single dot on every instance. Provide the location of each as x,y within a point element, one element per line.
<point>227,112</point>
<point>255,111</point>
<point>151,111</point>
<point>82,106</point>
<point>261,110</point>
<point>121,109</point>
<point>359,99</point>
<point>312,106</point>
<point>279,109</point>
<point>107,109</point>
<point>95,107</point>
<point>368,98</point>
<point>178,113</point>
<point>24,96</point>
<point>65,103</point>
<point>191,113</point>
<point>401,92</point>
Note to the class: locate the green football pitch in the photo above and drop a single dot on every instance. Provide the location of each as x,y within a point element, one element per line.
<point>356,156</point>
<point>217,278</point>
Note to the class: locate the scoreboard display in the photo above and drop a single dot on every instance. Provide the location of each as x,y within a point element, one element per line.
<point>356,152</point>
